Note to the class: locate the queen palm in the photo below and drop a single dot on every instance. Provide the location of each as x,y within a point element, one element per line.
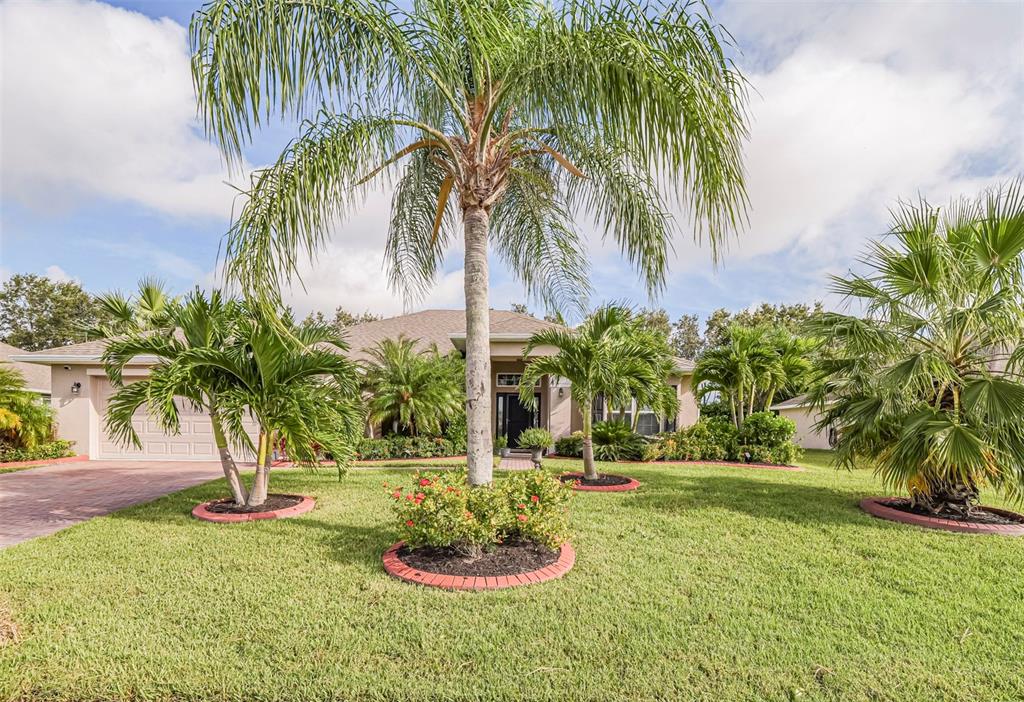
<point>411,388</point>
<point>606,355</point>
<point>928,383</point>
<point>507,116</point>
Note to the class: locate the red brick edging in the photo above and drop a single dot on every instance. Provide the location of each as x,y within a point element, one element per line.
<point>724,464</point>
<point>201,512</point>
<point>633,484</point>
<point>43,462</point>
<point>396,568</point>
<point>877,507</point>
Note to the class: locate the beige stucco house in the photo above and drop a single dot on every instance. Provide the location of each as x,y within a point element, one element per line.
<point>80,389</point>
<point>806,418</point>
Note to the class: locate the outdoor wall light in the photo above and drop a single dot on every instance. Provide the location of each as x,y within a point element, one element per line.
<point>75,388</point>
<point>561,392</point>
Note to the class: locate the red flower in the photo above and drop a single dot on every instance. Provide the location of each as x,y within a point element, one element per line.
<point>410,497</point>
<point>534,498</point>
<point>417,500</point>
<point>449,489</point>
<point>469,515</point>
<point>408,522</point>
<point>521,506</point>
<point>522,517</point>
<point>424,482</point>
<point>420,495</point>
<point>397,494</point>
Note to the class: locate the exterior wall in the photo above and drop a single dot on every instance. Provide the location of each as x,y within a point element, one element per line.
<point>76,413</point>
<point>689,409</point>
<point>806,435</point>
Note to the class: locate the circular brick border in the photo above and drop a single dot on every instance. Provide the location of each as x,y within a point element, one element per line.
<point>633,484</point>
<point>202,512</point>
<point>878,507</point>
<point>396,568</point>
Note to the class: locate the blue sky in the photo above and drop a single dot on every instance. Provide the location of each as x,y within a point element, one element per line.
<point>106,177</point>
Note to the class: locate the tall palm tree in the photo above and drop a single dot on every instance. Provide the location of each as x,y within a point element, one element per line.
<point>737,369</point>
<point>295,382</point>
<point>509,116</point>
<point>25,421</point>
<point>201,322</point>
<point>928,383</point>
<point>412,388</point>
<point>151,307</point>
<point>606,355</point>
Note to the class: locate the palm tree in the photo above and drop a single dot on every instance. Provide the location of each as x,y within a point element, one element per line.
<point>606,355</point>
<point>508,116</point>
<point>736,370</point>
<point>414,389</point>
<point>294,381</point>
<point>928,383</point>
<point>152,307</point>
<point>202,323</point>
<point>25,421</point>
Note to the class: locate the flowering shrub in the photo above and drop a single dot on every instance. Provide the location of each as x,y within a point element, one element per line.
<point>440,509</point>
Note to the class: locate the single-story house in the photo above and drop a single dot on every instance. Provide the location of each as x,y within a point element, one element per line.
<point>806,418</point>
<point>37,377</point>
<point>80,389</point>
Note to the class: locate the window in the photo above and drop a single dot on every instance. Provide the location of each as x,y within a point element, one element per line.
<point>509,380</point>
<point>597,409</point>
<point>647,422</point>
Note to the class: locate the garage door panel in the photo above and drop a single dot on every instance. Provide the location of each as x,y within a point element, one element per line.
<point>195,441</point>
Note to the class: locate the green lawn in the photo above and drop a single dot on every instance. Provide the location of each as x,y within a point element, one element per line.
<point>709,583</point>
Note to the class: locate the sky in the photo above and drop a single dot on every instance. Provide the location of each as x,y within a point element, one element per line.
<point>106,176</point>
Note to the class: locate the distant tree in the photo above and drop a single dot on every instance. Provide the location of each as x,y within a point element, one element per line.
<point>39,313</point>
<point>655,321</point>
<point>555,318</point>
<point>685,339</point>
<point>791,318</point>
<point>520,308</point>
<point>342,318</point>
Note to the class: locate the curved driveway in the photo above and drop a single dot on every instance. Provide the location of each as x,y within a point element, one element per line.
<point>40,501</point>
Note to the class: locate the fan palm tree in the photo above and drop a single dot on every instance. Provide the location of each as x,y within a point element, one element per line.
<point>151,307</point>
<point>606,355</point>
<point>294,381</point>
<point>414,389</point>
<point>25,421</point>
<point>507,116</point>
<point>201,322</point>
<point>928,383</point>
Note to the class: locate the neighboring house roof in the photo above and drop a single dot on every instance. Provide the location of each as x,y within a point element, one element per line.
<point>684,364</point>
<point>798,402</point>
<point>37,377</point>
<point>438,327</point>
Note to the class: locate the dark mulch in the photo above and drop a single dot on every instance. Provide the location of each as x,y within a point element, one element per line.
<point>510,558</point>
<point>979,515</point>
<point>602,479</point>
<point>273,502</point>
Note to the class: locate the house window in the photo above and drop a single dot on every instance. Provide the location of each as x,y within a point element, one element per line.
<point>647,422</point>
<point>597,409</point>
<point>509,380</point>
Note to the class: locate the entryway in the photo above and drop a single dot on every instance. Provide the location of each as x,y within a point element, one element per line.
<point>514,418</point>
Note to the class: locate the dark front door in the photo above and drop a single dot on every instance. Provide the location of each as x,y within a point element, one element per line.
<point>513,418</point>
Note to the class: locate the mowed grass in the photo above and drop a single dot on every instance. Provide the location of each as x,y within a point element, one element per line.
<point>709,583</point>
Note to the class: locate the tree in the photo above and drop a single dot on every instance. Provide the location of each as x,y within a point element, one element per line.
<point>151,307</point>
<point>610,355</point>
<point>342,318</point>
<point>736,370</point>
<point>203,323</point>
<point>520,308</point>
<point>927,385</point>
<point>416,390</point>
<point>686,338</point>
<point>25,421</point>
<point>791,318</point>
<point>506,116</point>
<point>39,313</point>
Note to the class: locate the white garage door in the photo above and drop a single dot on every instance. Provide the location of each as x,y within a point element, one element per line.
<point>194,443</point>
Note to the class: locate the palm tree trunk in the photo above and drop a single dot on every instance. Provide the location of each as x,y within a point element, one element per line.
<point>479,443</point>
<point>589,469</point>
<point>753,390</point>
<point>227,462</point>
<point>258,494</point>
<point>732,409</point>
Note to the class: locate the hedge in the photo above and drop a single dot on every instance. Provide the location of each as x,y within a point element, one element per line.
<point>42,452</point>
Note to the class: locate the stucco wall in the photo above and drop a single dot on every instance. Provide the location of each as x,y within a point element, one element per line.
<point>76,413</point>
<point>689,410</point>
<point>806,435</point>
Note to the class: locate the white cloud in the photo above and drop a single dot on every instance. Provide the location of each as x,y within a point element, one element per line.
<point>99,101</point>
<point>59,275</point>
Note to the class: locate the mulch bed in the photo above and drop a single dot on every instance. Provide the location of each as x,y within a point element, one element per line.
<point>991,520</point>
<point>510,558</point>
<point>606,482</point>
<point>980,515</point>
<point>271,504</point>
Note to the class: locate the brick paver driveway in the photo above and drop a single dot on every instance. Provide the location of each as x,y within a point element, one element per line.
<point>40,501</point>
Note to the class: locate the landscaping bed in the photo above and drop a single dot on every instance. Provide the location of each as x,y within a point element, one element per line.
<point>984,520</point>
<point>276,506</point>
<point>716,583</point>
<point>605,482</point>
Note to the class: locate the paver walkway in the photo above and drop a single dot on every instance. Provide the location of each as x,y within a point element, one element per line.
<point>40,501</point>
<point>516,462</point>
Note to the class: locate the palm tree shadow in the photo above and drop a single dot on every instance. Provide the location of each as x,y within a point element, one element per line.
<point>780,501</point>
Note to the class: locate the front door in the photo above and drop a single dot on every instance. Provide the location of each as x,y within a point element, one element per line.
<point>513,417</point>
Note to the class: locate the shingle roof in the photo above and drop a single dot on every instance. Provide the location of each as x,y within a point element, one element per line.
<point>87,349</point>
<point>795,403</point>
<point>434,327</point>
<point>37,377</point>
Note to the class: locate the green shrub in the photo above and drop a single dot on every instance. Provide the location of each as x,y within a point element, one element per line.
<point>570,446</point>
<point>500,442</point>
<point>653,450</point>
<point>440,509</point>
<point>456,432</point>
<point>535,438</point>
<point>766,429</point>
<point>402,447</point>
<point>711,439</point>
<point>40,452</point>
<point>615,441</point>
